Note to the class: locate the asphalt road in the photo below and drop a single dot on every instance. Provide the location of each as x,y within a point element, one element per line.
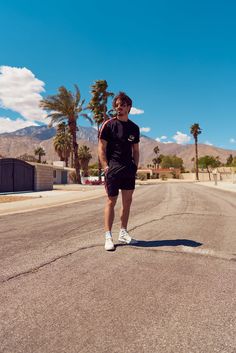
<point>172,293</point>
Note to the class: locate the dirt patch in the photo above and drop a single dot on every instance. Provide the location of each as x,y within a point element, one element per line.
<point>14,198</point>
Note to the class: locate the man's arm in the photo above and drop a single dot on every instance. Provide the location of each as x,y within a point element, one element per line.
<point>102,147</point>
<point>136,153</point>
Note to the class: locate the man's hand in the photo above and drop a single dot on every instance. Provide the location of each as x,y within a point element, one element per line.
<point>102,146</point>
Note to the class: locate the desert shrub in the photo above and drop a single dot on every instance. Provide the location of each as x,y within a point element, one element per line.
<point>142,176</point>
<point>93,172</point>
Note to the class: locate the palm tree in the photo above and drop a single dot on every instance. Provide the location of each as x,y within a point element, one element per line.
<point>66,106</point>
<point>156,150</point>
<point>98,106</point>
<point>63,142</point>
<point>195,130</point>
<point>39,151</point>
<point>84,158</point>
<point>156,161</point>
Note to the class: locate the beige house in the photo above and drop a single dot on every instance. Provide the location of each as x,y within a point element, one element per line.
<point>159,173</point>
<point>61,173</point>
<point>43,176</point>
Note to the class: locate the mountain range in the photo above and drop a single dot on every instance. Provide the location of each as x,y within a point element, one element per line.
<point>25,140</point>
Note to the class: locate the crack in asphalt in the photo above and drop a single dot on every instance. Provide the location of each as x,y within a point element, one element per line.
<point>189,250</point>
<point>177,214</point>
<point>35,269</point>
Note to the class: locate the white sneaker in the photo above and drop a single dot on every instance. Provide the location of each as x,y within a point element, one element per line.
<point>109,244</point>
<point>124,237</point>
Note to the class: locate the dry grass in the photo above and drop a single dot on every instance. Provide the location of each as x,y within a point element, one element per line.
<point>13,198</point>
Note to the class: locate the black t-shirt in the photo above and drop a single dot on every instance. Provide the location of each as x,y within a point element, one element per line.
<point>120,136</point>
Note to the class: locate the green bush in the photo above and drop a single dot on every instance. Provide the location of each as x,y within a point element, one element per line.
<point>142,176</point>
<point>93,172</point>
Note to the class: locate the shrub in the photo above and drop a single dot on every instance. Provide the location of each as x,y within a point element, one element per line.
<point>93,172</point>
<point>142,176</point>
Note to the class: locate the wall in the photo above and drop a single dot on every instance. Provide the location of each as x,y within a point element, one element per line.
<point>43,177</point>
<point>223,176</point>
<point>192,176</point>
<point>57,179</point>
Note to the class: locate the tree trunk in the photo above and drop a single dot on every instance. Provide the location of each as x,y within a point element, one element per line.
<point>72,127</point>
<point>99,163</point>
<point>71,159</point>
<point>84,166</point>
<point>209,173</point>
<point>196,152</point>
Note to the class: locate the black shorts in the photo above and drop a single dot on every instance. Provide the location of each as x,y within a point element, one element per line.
<point>121,180</point>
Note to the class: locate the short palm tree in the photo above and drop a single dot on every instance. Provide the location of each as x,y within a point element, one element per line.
<point>66,106</point>
<point>84,158</point>
<point>156,161</point>
<point>63,142</point>
<point>195,130</point>
<point>40,152</point>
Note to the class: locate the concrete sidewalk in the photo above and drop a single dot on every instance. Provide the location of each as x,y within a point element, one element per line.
<point>222,185</point>
<point>60,195</point>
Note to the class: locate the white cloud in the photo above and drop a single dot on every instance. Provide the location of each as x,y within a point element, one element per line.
<point>208,143</point>
<point>161,138</point>
<point>9,125</point>
<point>232,140</point>
<point>20,91</point>
<point>145,129</point>
<point>168,142</point>
<point>136,111</point>
<point>181,138</point>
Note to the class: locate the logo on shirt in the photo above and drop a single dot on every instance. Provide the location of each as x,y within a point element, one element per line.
<point>131,138</point>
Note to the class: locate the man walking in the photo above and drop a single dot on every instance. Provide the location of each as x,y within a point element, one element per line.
<point>118,151</point>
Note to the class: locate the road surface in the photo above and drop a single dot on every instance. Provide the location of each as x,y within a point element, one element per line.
<point>172,293</point>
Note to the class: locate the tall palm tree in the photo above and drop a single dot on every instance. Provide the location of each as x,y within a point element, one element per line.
<point>195,130</point>
<point>40,152</point>
<point>63,142</point>
<point>98,107</point>
<point>66,106</point>
<point>156,149</point>
<point>84,158</point>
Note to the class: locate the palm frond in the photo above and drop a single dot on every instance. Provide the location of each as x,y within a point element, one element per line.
<point>87,118</point>
<point>77,95</point>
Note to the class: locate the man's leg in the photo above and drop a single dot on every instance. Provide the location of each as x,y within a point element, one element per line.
<point>124,236</point>
<point>109,212</point>
<point>125,209</point>
<point>108,220</point>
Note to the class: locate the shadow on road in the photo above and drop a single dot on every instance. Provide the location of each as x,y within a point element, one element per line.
<point>158,243</point>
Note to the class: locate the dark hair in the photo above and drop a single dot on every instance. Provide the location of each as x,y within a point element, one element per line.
<point>124,99</point>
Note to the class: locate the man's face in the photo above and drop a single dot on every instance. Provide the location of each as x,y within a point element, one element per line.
<point>122,109</point>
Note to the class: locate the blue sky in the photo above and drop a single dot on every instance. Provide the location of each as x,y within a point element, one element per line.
<point>175,59</point>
